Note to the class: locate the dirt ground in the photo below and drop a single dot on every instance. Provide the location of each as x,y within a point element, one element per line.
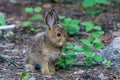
<point>13,48</point>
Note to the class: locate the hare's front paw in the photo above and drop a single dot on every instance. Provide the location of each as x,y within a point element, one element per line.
<point>52,68</point>
<point>29,67</point>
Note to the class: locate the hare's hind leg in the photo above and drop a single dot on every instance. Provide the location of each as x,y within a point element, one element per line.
<point>29,64</point>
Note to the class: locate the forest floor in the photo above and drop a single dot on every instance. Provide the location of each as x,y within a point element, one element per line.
<point>14,47</point>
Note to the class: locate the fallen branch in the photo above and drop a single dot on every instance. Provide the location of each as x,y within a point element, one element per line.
<point>7,27</point>
<point>9,61</point>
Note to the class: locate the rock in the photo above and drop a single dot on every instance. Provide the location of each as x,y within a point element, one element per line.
<point>116,33</point>
<point>7,78</point>
<point>2,14</point>
<point>47,6</point>
<point>79,72</point>
<point>102,77</point>
<point>31,78</point>
<point>112,52</point>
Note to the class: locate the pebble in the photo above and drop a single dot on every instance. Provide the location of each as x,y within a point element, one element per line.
<point>102,77</point>
<point>7,78</point>
<point>31,78</point>
<point>47,6</point>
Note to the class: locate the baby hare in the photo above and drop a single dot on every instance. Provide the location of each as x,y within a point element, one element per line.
<point>46,49</point>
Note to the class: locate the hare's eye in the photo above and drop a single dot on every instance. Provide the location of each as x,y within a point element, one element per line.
<point>58,34</point>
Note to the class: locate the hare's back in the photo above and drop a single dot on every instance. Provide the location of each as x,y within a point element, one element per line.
<point>37,36</point>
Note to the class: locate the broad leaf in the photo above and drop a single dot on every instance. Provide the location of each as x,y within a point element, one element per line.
<point>95,34</point>
<point>69,45</point>
<point>36,16</point>
<point>102,1</point>
<point>98,28</point>
<point>97,58</point>
<point>89,53</point>
<point>26,23</point>
<point>28,10</point>
<point>88,3</point>
<point>86,42</point>
<point>2,20</point>
<point>89,25</point>
<point>77,49</point>
<point>37,9</point>
<point>98,45</point>
<point>118,25</point>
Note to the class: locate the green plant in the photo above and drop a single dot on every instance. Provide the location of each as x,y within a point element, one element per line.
<point>90,3</point>
<point>25,75</point>
<point>107,63</point>
<point>34,20</point>
<point>2,20</point>
<point>89,46</point>
<point>70,25</point>
<point>118,25</point>
<point>69,56</point>
<point>93,12</point>
<point>93,43</point>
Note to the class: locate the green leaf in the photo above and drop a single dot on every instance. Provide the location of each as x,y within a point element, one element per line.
<point>98,28</point>
<point>25,75</point>
<point>36,16</point>
<point>101,32</point>
<point>69,45</point>
<point>97,58</point>
<point>28,10</point>
<point>2,20</point>
<point>77,49</point>
<point>61,17</point>
<point>95,34</point>
<point>88,60</point>
<point>32,29</point>
<point>73,29</point>
<point>73,57</point>
<point>88,3</point>
<point>94,11</point>
<point>96,40</point>
<point>89,53</point>
<point>102,2</point>
<point>37,9</point>
<point>69,52</point>
<point>67,19</point>
<point>86,42</point>
<point>89,25</point>
<point>98,45</point>
<point>26,23</point>
<point>70,59</point>
<point>86,48</point>
<point>118,25</point>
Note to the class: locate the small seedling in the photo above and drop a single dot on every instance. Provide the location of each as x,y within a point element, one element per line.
<point>25,75</point>
<point>35,17</point>
<point>70,25</point>
<point>107,63</point>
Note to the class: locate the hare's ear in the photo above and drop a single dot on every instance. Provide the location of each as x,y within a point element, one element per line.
<point>50,18</point>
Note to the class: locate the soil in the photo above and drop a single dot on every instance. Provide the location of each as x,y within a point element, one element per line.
<point>12,49</point>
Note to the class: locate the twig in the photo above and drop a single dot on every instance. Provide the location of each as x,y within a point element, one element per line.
<point>84,65</point>
<point>82,33</point>
<point>7,27</point>
<point>5,59</point>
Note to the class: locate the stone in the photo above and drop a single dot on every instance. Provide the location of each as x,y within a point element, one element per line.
<point>112,53</point>
<point>31,78</point>
<point>7,78</point>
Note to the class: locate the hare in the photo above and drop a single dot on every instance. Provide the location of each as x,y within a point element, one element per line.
<point>46,49</point>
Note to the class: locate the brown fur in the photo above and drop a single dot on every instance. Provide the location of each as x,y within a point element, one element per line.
<point>46,49</point>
